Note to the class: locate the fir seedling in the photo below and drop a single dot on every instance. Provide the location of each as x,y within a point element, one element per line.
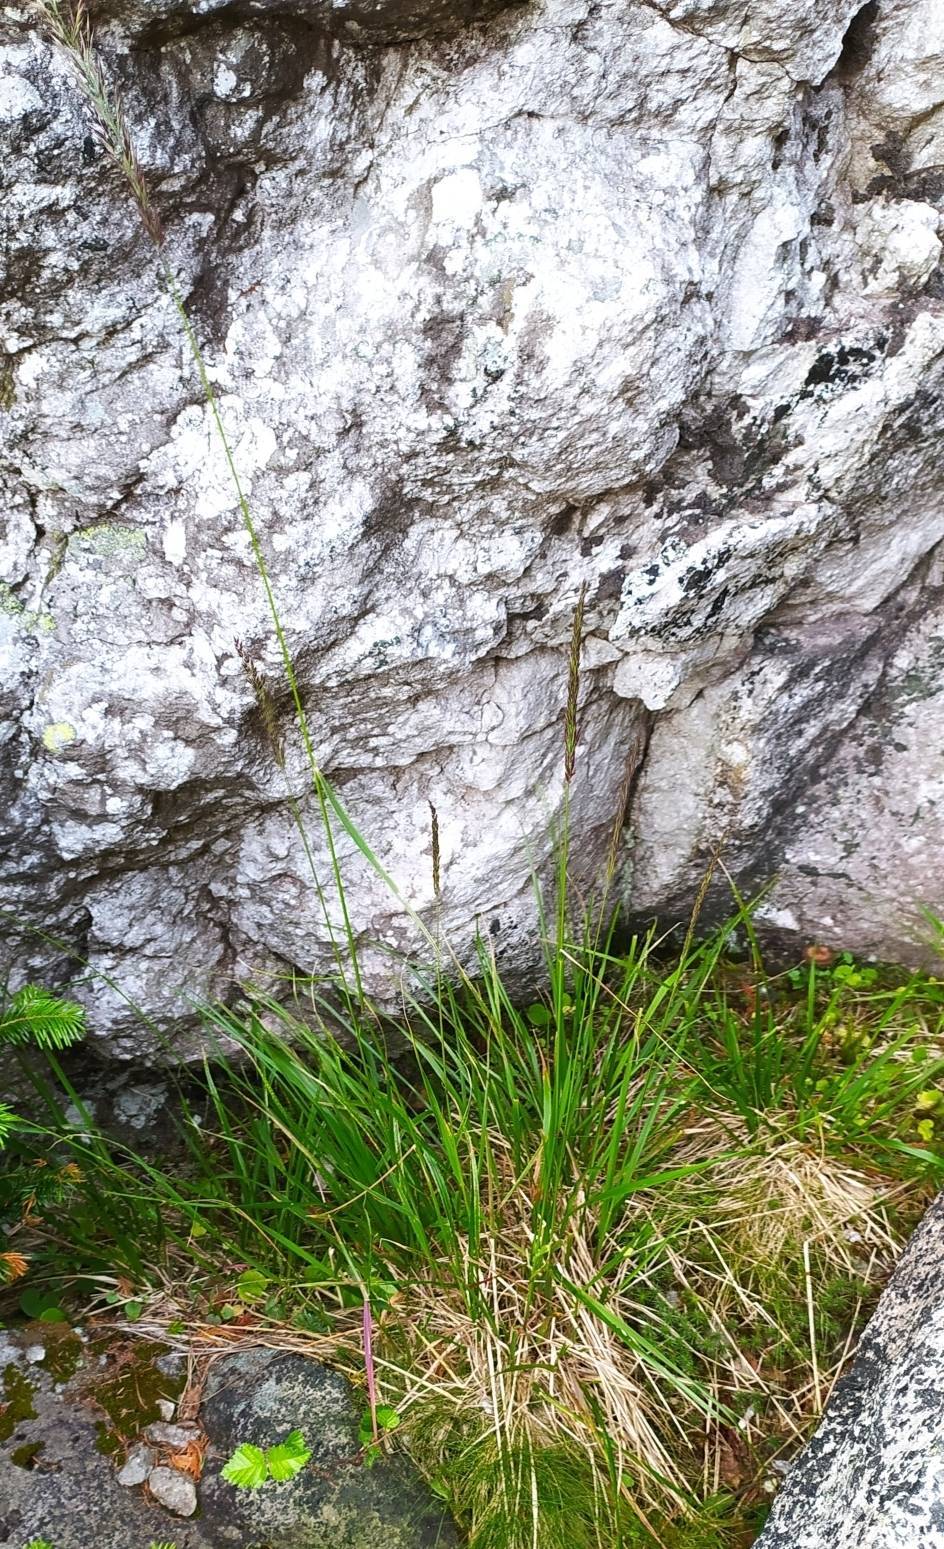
<point>33,1016</point>
<point>8,1123</point>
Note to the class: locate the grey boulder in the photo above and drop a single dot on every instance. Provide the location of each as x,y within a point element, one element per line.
<point>873,1475</point>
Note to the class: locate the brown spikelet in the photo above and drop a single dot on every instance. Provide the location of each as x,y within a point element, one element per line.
<point>571,729</point>
<point>69,26</point>
<point>819,954</point>
<point>434,830</point>
<point>13,1266</point>
<point>701,895</point>
<point>267,710</point>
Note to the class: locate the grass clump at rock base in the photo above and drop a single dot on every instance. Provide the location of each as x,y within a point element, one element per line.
<point>614,1247</point>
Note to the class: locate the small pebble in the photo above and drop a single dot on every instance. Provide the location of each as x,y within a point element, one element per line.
<point>166,1408</point>
<point>174,1436</point>
<point>171,1363</point>
<point>138,1465</point>
<point>35,1353</point>
<point>173,1490</point>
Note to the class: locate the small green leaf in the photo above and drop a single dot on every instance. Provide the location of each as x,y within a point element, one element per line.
<point>927,1101</point>
<point>176,1326</point>
<point>34,1301</point>
<point>311,1319</point>
<point>925,1128</point>
<point>246,1468</point>
<point>372,1455</point>
<point>133,1311</point>
<point>387,1417</point>
<point>289,1457</point>
<point>538,1015</point>
<point>53,1315</point>
<point>228,1312</point>
<point>252,1286</point>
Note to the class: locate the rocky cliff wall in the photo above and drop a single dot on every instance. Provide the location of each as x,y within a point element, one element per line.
<point>499,300</point>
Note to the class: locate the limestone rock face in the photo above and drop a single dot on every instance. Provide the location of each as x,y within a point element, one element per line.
<point>499,302</point>
<point>872,1477</point>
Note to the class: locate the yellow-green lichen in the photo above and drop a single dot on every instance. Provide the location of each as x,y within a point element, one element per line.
<point>57,734</point>
<point>27,618</point>
<point>108,539</point>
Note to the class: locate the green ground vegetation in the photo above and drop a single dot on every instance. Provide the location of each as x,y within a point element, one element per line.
<point>615,1246</point>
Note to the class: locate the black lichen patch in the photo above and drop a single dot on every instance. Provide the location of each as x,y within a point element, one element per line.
<point>699,579</point>
<point>610,585</point>
<point>839,368</point>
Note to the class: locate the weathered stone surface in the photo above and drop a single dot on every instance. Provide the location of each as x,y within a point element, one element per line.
<point>174,1436</point>
<point>173,1490</point>
<point>642,294</point>
<point>137,1466</point>
<point>55,1483</point>
<point>873,1476</point>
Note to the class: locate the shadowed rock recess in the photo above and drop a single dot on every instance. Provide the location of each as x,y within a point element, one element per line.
<point>499,301</point>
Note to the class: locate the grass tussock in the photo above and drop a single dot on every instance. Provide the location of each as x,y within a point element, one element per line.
<point>615,1245</point>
